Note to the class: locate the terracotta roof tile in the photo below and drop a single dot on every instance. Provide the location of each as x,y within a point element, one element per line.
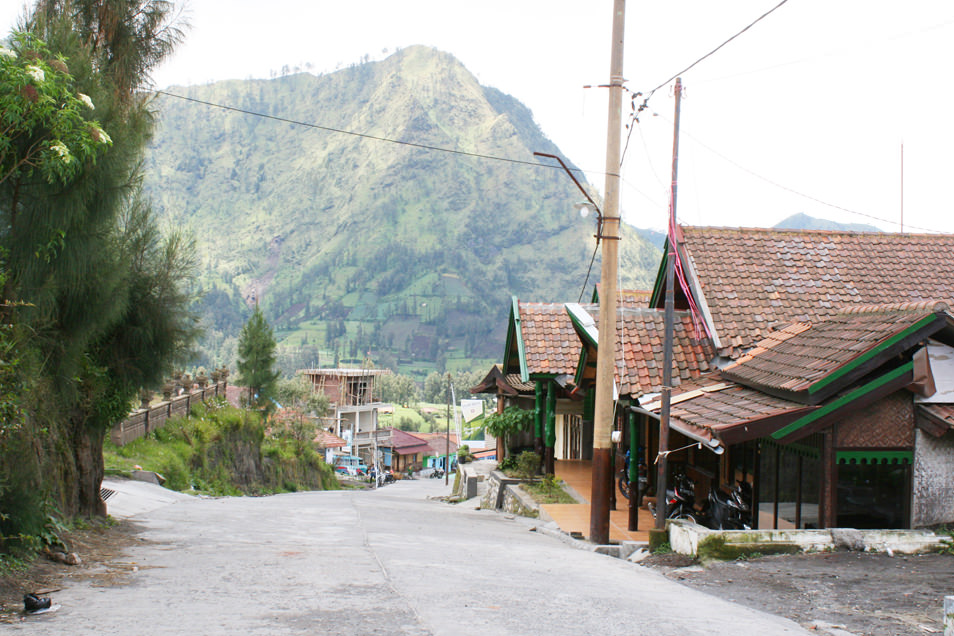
<point>755,278</point>
<point>800,355</point>
<point>549,340</point>
<point>709,407</point>
<point>639,354</point>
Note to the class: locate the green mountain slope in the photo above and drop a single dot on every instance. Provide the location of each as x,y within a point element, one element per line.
<point>352,244</point>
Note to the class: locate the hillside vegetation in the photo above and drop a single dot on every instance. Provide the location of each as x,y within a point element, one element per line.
<point>354,245</point>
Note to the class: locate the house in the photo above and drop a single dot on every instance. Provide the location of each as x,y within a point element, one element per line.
<point>405,450</point>
<point>353,397</point>
<point>833,397</point>
<point>441,445</point>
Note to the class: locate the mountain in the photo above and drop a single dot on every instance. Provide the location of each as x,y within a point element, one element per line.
<point>352,244</point>
<point>805,222</point>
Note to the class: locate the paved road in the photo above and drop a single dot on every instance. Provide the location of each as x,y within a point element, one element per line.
<point>391,561</point>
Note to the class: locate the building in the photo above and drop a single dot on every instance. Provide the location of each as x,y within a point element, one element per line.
<point>355,402</point>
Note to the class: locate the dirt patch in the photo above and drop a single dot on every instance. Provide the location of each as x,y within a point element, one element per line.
<point>861,593</point>
<point>100,547</point>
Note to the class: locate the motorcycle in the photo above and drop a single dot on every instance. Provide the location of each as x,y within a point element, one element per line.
<point>437,473</point>
<point>388,477</point>
<point>680,501</point>
<point>731,511</point>
<point>625,488</point>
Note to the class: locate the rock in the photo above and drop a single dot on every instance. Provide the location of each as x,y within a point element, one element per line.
<point>848,538</point>
<point>70,558</point>
<point>638,555</point>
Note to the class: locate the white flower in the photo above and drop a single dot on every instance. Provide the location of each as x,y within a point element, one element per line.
<point>36,73</point>
<point>104,138</point>
<point>4,52</point>
<point>60,149</point>
<point>86,100</point>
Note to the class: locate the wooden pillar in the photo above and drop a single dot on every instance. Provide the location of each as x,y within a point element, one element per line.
<point>827,498</point>
<point>549,458</point>
<point>538,416</point>
<point>756,482</point>
<point>798,493</point>
<point>775,494</point>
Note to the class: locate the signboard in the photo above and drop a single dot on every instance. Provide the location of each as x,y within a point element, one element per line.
<point>472,413</point>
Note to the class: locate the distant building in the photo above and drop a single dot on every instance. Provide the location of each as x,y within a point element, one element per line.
<point>355,401</point>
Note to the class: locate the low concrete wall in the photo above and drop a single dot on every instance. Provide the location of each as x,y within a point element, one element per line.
<point>517,501</point>
<point>494,497</point>
<point>689,538</point>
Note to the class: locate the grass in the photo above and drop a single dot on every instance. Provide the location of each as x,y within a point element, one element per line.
<point>548,491</point>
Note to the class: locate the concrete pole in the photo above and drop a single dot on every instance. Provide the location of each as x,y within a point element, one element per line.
<point>609,234</point>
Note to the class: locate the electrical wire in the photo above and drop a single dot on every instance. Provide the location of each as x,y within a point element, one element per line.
<point>634,117</point>
<point>368,136</point>
<point>802,194</point>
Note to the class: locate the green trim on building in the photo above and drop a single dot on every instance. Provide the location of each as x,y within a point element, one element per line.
<point>660,276</point>
<point>843,401</point>
<point>874,456</point>
<point>540,396</point>
<point>550,440</point>
<point>871,353</point>
<point>518,334</point>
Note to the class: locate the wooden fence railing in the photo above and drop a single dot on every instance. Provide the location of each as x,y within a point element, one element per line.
<point>143,421</point>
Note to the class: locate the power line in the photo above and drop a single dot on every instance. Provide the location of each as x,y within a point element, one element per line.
<point>649,96</point>
<point>802,194</point>
<point>366,135</point>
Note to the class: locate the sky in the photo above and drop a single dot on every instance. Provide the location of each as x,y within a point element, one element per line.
<point>839,110</point>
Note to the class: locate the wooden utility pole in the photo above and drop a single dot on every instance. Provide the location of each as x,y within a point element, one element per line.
<point>662,460</point>
<point>603,463</point>
<point>447,446</point>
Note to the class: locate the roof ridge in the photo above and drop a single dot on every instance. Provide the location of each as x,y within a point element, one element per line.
<point>779,230</point>
<point>919,306</point>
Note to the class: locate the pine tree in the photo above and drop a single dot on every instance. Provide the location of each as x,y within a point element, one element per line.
<point>256,351</point>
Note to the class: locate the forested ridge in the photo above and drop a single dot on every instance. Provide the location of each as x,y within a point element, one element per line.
<point>354,245</point>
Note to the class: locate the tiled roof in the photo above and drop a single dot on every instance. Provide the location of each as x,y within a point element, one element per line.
<point>324,439</point>
<point>438,442</point>
<point>709,407</point>
<point>639,354</point>
<point>549,340</point>
<point>797,357</point>
<point>635,298</point>
<point>755,279</point>
<point>405,443</point>
<point>513,379</point>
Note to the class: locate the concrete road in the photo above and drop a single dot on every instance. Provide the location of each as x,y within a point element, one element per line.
<point>390,561</point>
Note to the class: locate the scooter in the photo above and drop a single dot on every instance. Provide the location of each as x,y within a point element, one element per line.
<point>437,473</point>
<point>731,511</point>
<point>680,501</point>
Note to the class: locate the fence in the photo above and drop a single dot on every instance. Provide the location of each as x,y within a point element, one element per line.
<point>143,421</point>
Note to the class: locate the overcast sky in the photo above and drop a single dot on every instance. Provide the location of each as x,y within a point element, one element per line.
<point>805,112</point>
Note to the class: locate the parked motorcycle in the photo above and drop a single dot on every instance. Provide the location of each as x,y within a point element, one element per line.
<point>625,487</point>
<point>680,501</point>
<point>731,511</point>
<point>437,473</point>
<point>388,477</point>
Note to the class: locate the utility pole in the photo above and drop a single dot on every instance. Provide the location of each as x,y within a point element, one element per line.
<point>662,459</point>
<point>447,447</point>
<point>605,410</point>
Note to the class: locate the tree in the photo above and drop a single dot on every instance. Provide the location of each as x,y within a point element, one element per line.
<point>398,389</point>
<point>256,351</point>
<point>512,421</point>
<point>102,294</point>
<point>305,407</point>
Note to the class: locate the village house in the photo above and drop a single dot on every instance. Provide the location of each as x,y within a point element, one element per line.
<point>355,404</point>
<point>811,364</point>
<point>833,394</point>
